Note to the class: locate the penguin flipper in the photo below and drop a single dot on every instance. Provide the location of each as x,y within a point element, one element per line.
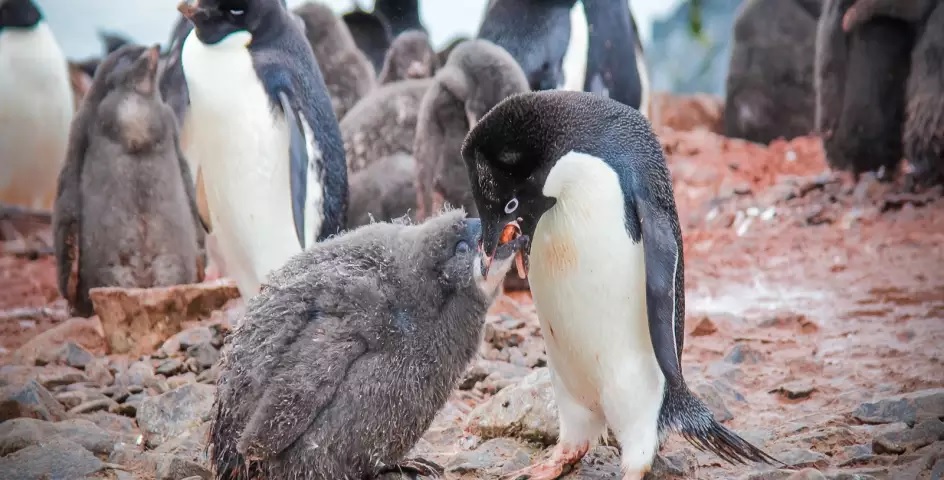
<point>299,163</point>
<point>315,367</point>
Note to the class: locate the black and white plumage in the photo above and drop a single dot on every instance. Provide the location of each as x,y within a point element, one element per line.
<point>586,179</point>
<point>262,130</point>
<point>36,106</point>
<point>343,360</point>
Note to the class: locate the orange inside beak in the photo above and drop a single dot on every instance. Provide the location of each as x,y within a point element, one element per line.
<point>512,231</point>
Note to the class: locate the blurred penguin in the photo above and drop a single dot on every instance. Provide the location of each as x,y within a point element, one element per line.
<point>371,34</point>
<point>401,15</point>
<point>125,213</point>
<point>409,56</point>
<point>348,73</point>
<point>37,106</point>
<point>383,191</point>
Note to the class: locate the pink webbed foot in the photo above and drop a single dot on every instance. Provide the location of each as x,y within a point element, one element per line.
<point>560,462</point>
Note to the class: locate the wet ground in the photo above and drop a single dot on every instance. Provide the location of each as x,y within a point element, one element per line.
<point>807,294</point>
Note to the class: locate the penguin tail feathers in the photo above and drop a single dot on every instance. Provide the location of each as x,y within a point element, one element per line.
<point>695,422</point>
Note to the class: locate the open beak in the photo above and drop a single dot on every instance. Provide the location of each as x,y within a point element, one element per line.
<point>509,243</point>
<point>189,8</point>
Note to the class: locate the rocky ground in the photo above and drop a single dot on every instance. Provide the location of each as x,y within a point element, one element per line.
<point>815,326</point>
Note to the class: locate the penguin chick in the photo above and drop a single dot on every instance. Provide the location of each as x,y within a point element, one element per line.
<point>125,199</point>
<point>343,360</point>
<point>383,123</point>
<point>409,56</point>
<point>860,82</point>
<point>383,191</point>
<point>770,75</point>
<point>443,54</point>
<point>371,34</point>
<point>36,106</point>
<point>348,73</point>
<point>477,76</point>
<point>585,178</point>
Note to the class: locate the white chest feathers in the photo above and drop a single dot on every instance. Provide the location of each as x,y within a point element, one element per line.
<point>575,58</point>
<point>589,284</point>
<point>241,145</point>
<point>36,108</point>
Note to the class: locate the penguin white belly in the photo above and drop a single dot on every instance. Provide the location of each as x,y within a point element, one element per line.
<point>575,58</point>
<point>36,108</point>
<point>589,285</point>
<point>242,148</point>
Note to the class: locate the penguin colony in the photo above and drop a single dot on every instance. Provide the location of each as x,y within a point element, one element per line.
<point>315,159</point>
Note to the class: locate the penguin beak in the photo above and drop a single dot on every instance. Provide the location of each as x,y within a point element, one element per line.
<point>189,8</point>
<point>511,242</point>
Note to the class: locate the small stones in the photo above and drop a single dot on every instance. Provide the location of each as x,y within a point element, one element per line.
<point>795,390</point>
<point>90,406</point>
<point>175,412</point>
<point>925,433</point>
<point>30,400</point>
<point>743,353</point>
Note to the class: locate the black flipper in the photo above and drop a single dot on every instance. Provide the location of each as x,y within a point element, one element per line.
<point>298,168</point>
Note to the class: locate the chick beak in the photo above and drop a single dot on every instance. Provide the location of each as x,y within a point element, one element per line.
<point>415,70</point>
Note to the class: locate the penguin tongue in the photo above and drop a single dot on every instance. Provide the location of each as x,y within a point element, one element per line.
<point>521,265</point>
<point>511,233</point>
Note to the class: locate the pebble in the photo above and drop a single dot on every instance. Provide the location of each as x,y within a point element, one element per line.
<point>29,400</point>
<point>181,380</point>
<point>173,413</point>
<point>526,410</point>
<point>186,339</point>
<point>173,467</point>
<point>57,458</point>
<point>807,474</point>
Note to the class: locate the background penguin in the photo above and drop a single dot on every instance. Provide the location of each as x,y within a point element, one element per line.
<point>586,179</point>
<point>172,83</point>
<point>110,42</point>
<point>383,191</point>
<point>769,89</point>
<point>125,211</point>
<point>347,72</point>
<point>340,331</point>
<point>264,135</point>
<point>409,56</point>
<point>371,34</point>
<point>401,15</point>
<point>477,76</point>
<point>443,54</point>
<point>859,81</point>
<point>614,62</point>
<point>382,123</point>
<point>535,32</point>
<point>37,106</point>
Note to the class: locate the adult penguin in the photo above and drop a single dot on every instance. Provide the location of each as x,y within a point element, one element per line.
<point>585,178</point>
<point>262,130</point>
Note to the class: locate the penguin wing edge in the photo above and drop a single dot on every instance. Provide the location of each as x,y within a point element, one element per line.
<point>316,369</point>
<point>298,152</point>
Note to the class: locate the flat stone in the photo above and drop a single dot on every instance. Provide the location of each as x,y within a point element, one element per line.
<point>807,474</point>
<point>169,367</point>
<point>178,381</point>
<point>796,390</point>
<point>172,467</point>
<point>851,476</point>
<point>709,394</point>
<point>21,433</point>
<point>743,353</point>
<point>770,475</point>
<point>210,375</point>
<point>925,433</point>
<point>90,406</point>
<point>99,372</point>
<point>702,327</point>
<point>526,410</point>
<point>186,339</point>
<point>175,412</point>
<point>190,445</point>
<point>204,354</point>
<point>30,400</point>
<point>908,408</point>
<point>139,374</point>
<point>45,348</point>
<point>57,458</point>
<point>72,399</point>
<point>112,422</point>
<point>55,376</point>
<point>801,457</point>
<point>494,458</point>
<point>601,462</point>
<point>137,321</point>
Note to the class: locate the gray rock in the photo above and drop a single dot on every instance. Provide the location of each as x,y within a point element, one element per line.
<point>210,375</point>
<point>475,373</point>
<point>172,467</point>
<point>807,474</point>
<point>138,374</point>
<point>770,475</point>
<point>186,339</point>
<point>851,476</point>
<point>29,400</point>
<point>495,458</point>
<point>175,412</point>
<point>925,433</point>
<point>75,398</point>
<point>679,464</point>
<point>90,406</point>
<point>526,410</point>
<point>190,445</point>
<point>908,408</point>
<point>937,471</point>
<point>98,372</point>
<point>856,455</point>
<point>743,353</point>
<point>796,390</point>
<point>204,354</point>
<point>58,458</point>
<point>25,432</point>
<point>801,457</point>
<point>112,422</point>
<point>181,380</point>
<point>129,407</point>
<point>709,394</point>
<point>169,367</point>
<point>74,355</point>
<point>55,376</point>
<point>601,462</point>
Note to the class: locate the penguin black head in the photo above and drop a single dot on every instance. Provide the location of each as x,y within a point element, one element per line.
<point>512,149</point>
<point>19,14</point>
<point>214,20</point>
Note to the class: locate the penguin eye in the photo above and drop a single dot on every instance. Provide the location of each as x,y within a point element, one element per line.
<point>463,247</point>
<point>236,13</point>
<point>511,206</point>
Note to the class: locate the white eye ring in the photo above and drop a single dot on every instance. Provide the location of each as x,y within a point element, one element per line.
<point>511,206</point>
<point>237,12</point>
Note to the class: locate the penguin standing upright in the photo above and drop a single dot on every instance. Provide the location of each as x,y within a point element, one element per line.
<point>36,106</point>
<point>584,177</point>
<point>263,133</point>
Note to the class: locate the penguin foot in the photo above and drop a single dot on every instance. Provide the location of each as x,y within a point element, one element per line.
<point>414,467</point>
<point>560,462</point>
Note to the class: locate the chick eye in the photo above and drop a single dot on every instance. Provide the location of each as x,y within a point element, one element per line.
<point>463,247</point>
<point>511,206</point>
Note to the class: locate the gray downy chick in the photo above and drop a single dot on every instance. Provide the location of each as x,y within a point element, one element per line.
<point>344,358</point>
<point>348,73</point>
<point>477,76</point>
<point>410,56</point>
<point>383,191</point>
<point>382,123</point>
<point>125,210</point>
